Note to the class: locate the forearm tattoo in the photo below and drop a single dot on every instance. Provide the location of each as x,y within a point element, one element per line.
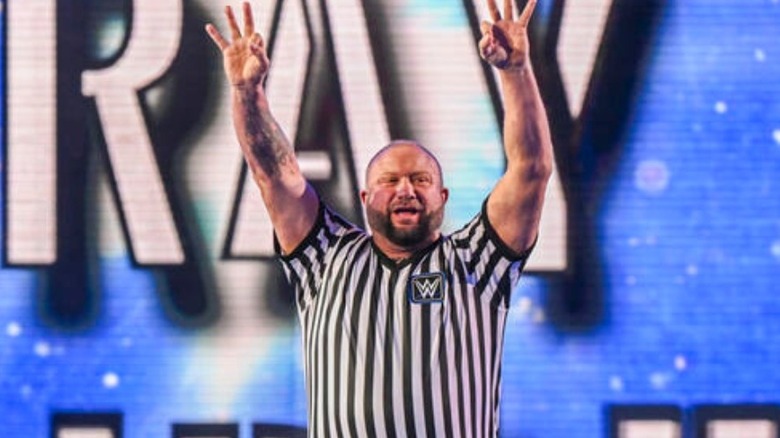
<point>266,144</point>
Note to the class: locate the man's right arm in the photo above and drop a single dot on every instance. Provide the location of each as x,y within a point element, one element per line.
<point>291,202</point>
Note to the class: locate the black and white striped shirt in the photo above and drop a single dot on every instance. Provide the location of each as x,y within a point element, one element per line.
<point>402,349</point>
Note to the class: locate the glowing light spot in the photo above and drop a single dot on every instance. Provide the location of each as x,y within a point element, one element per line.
<point>13,329</point>
<point>680,363</point>
<point>42,349</point>
<point>721,107</point>
<point>616,384</point>
<point>776,136</point>
<point>760,55</point>
<point>524,306</point>
<point>776,249</point>
<point>110,380</point>
<point>651,176</point>
<point>692,270</point>
<point>659,380</point>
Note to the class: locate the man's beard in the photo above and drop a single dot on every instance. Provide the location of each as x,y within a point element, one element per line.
<point>381,223</point>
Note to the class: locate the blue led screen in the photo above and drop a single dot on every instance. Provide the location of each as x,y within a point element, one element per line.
<point>152,295</point>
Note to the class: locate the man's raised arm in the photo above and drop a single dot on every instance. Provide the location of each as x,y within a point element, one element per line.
<point>515,205</point>
<point>291,202</point>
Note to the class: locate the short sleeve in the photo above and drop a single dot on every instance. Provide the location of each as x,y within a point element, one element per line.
<point>493,265</point>
<point>305,265</point>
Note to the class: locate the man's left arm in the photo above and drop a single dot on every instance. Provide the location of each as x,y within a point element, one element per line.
<point>515,204</point>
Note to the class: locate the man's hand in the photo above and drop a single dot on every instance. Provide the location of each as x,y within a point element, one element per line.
<point>245,59</point>
<point>504,42</point>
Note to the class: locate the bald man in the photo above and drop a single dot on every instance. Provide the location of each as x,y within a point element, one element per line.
<point>402,327</point>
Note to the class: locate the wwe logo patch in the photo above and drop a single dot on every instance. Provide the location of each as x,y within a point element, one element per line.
<point>427,288</point>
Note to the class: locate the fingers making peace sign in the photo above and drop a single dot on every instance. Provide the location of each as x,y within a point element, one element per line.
<point>504,42</point>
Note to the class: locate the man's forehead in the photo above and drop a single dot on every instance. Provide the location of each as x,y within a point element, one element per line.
<point>398,155</point>
<point>404,155</point>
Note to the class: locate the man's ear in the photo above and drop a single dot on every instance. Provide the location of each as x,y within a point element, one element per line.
<point>363,196</point>
<point>445,194</point>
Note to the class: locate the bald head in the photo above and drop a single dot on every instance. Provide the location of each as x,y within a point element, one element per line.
<point>404,198</point>
<point>397,144</point>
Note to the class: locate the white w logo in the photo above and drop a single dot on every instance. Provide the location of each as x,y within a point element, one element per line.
<point>427,288</point>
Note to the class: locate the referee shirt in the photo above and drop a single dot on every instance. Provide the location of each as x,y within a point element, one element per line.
<point>402,349</point>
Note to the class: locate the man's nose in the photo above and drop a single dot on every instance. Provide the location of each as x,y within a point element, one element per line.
<point>405,188</point>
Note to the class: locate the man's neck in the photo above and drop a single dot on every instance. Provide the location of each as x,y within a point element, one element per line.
<point>397,252</point>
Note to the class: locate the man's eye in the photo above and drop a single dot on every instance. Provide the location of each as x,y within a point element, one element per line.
<point>422,179</point>
<point>388,180</point>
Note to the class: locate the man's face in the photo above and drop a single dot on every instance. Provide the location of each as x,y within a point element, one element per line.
<point>404,197</point>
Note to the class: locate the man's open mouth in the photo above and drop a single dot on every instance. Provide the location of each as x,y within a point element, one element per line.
<point>405,212</point>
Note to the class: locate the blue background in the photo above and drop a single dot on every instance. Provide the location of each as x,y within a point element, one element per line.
<point>689,234</point>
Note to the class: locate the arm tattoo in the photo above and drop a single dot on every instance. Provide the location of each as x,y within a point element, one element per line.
<point>266,144</point>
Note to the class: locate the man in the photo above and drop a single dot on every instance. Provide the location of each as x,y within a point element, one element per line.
<point>403,328</point>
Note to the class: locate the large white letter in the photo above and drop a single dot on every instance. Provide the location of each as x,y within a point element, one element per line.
<point>649,429</point>
<point>362,98</point>
<point>753,428</point>
<point>154,42</point>
<point>31,160</point>
<point>284,86</point>
<point>582,30</point>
